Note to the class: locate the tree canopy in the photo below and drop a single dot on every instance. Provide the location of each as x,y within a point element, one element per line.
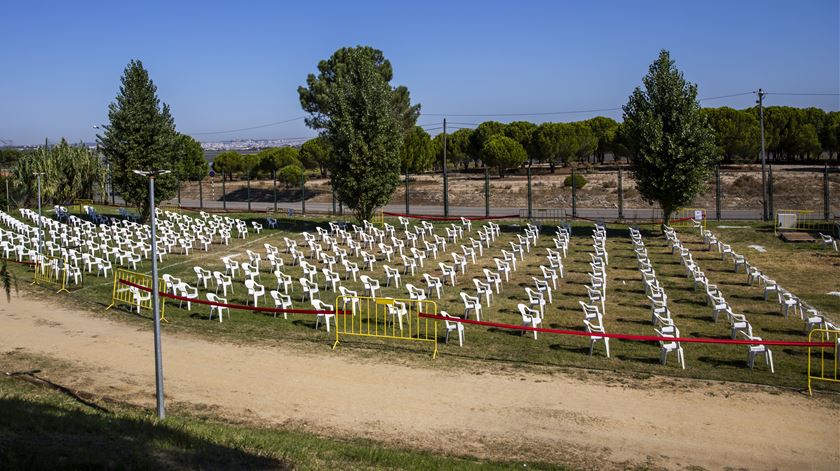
<point>314,154</point>
<point>190,164</point>
<point>70,172</point>
<point>503,153</point>
<point>417,151</point>
<point>672,146</point>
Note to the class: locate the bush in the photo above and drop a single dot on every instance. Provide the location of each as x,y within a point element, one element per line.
<point>291,175</point>
<point>579,181</point>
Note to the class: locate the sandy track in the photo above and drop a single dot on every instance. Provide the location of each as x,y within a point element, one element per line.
<point>591,423</point>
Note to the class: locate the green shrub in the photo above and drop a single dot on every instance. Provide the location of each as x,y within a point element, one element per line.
<point>579,181</point>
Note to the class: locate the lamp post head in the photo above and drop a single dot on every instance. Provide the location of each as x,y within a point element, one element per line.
<point>151,173</point>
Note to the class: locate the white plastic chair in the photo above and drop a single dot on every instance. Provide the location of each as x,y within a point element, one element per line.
<point>322,306</point>
<point>452,326</point>
<point>471,303</point>
<point>530,317</point>
<point>670,346</point>
<point>281,301</point>
<point>596,329</point>
<point>218,310</point>
<point>433,283</point>
<point>483,288</point>
<point>255,290</point>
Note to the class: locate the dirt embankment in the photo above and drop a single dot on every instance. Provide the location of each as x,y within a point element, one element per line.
<point>588,420</point>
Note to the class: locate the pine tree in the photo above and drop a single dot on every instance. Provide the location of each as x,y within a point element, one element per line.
<point>141,136</point>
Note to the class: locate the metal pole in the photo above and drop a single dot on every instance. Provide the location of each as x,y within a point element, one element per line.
<point>529,193</point>
<point>303,193</point>
<point>274,178</point>
<point>179,192</point>
<point>7,192</point>
<point>156,306</point>
<point>111,180</point>
<point>826,194</point>
<point>407,195</point>
<point>620,195</point>
<point>770,210</point>
<point>224,193</point>
<point>200,194</point>
<point>445,176</point>
<point>574,194</point>
<point>486,192</point>
<point>717,192</point>
<point>764,190</point>
<point>249,190</point>
<point>333,198</point>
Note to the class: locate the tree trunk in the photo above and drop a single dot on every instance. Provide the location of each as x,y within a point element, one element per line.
<point>551,166</point>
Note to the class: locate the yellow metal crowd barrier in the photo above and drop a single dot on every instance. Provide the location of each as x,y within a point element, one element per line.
<point>125,294</point>
<point>386,318</point>
<point>822,363</point>
<point>683,217</point>
<point>379,217</point>
<point>51,272</point>
<point>80,203</point>
<point>799,220</point>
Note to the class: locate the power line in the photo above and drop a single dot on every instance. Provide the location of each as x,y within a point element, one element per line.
<point>726,96</point>
<point>466,115</point>
<point>803,94</point>
<point>247,129</point>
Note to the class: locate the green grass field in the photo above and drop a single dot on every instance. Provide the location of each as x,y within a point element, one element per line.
<point>806,270</point>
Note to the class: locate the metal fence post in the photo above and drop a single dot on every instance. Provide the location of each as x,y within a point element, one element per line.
<point>529,194</point>
<point>826,194</point>
<point>303,193</point>
<point>620,195</point>
<point>333,200</point>
<point>200,194</point>
<point>274,178</point>
<point>574,193</point>
<point>717,192</point>
<point>179,192</point>
<point>224,193</point>
<point>771,211</point>
<point>407,195</point>
<point>486,192</point>
<point>248,195</point>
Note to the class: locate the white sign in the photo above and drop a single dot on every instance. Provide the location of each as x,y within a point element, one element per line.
<point>698,214</point>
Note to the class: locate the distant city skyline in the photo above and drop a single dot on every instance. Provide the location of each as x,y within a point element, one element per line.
<point>235,67</point>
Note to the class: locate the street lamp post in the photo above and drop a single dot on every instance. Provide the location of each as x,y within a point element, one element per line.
<point>151,174</point>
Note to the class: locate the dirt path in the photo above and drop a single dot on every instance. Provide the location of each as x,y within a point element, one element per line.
<point>658,422</point>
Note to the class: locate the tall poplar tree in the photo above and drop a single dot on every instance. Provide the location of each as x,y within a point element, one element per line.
<point>353,105</point>
<point>141,136</point>
<point>671,145</point>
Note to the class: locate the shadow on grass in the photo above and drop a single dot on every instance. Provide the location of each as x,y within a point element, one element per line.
<point>718,362</point>
<point>43,436</point>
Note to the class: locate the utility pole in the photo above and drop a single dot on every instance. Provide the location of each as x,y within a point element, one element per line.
<point>763,155</point>
<point>445,180</point>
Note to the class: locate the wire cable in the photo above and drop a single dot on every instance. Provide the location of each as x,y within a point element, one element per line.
<point>205,133</point>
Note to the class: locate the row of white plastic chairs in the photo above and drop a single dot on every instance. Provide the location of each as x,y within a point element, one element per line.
<point>788,302</point>
<point>661,318</point>
<point>594,311</point>
<point>738,323</point>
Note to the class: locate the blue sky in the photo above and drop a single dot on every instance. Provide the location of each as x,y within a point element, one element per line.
<point>230,65</point>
